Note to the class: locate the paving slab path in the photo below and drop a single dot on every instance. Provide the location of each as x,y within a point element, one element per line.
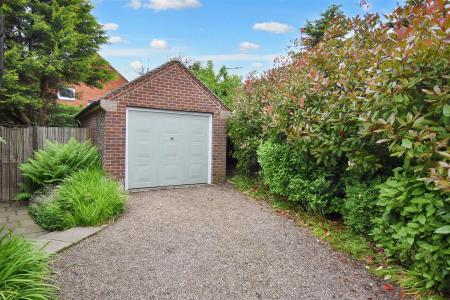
<point>208,243</point>
<point>14,215</point>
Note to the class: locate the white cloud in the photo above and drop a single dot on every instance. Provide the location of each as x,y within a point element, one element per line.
<point>257,65</point>
<point>137,65</point>
<point>110,26</point>
<point>172,4</point>
<point>135,4</point>
<point>116,40</point>
<point>246,46</point>
<point>273,27</point>
<point>159,44</point>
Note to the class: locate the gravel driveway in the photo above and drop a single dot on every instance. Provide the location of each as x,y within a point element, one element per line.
<point>207,243</point>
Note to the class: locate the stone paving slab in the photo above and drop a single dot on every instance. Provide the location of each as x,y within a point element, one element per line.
<point>28,229</point>
<point>50,246</point>
<point>72,235</point>
<point>15,215</point>
<point>56,241</point>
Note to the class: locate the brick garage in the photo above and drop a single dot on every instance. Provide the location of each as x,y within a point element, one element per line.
<point>172,95</point>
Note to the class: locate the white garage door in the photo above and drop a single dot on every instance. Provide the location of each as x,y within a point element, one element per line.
<point>167,148</point>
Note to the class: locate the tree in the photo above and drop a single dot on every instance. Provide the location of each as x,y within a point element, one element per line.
<point>49,44</point>
<point>313,32</point>
<point>415,2</point>
<point>61,115</point>
<point>224,85</point>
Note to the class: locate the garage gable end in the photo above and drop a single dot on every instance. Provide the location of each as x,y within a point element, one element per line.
<point>164,128</point>
<point>169,83</point>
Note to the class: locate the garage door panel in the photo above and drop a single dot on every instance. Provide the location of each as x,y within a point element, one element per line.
<point>141,155</point>
<point>144,175</point>
<point>197,150</point>
<point>143,159</point>
<point>167,148</point>
<point>170,175</point>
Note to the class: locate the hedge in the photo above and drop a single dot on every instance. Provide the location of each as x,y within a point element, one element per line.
<point>363,118</point>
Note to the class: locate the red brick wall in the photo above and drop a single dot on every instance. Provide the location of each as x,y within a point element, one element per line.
<point>96,119</point>
<point>86,93</point>
<point>170,87</point>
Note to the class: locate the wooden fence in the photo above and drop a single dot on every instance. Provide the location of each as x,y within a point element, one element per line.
<point>20,144</point>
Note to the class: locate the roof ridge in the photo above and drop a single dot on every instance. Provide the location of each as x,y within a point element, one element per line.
<point>141,78</point>
<point>137,79</point>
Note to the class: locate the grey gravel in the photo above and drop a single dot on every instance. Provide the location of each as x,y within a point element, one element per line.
<point>208,243</point>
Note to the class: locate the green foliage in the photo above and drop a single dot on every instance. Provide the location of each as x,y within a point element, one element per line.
<point>367,101</point>
<point>24,270</point>
<point>49,44</point>
<point>414,227</point>
<point>55,162</point>
<point>363,103</point>
<point>45,211</point>
<point>289,172</point>
<point>415,2</point>
<point>224,85</point>
<point>245,132</point>
<point>61,115</point>
<point>86,198</point>
<point>359,208</point>
<point>314,31</point>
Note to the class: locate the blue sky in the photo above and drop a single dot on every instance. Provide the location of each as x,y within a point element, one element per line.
<point>246,34</point>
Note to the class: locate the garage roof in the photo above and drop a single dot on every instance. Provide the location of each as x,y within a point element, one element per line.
<point>96,104</point>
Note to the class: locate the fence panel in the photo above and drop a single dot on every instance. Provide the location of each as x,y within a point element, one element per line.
<point>20,144</point>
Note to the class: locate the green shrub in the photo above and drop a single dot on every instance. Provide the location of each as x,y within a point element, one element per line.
<point>276,167</point>
<point>245,137</point>
<point>86,198</point>
<point>61,115</point>
<point>363,103</point>
<point>55,162</point>
<point>359,207</point>
<point>316,193</point>
<point>45,210</point>
<point>288,171</point>
<point>415,227</point>
<point>24,270</point>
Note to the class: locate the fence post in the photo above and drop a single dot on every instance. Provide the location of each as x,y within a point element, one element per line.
<point>34,138</point>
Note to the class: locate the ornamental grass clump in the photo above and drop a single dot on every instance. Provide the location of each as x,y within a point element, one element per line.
<point>51,165</point>
<point>86,198</point>
<point>24,270</point>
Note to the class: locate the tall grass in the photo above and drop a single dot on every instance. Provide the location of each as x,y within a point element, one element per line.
<point>24,270</point>
<point>55,162</point>
<point>86,198</point>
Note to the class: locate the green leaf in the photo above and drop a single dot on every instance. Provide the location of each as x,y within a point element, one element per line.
<point>422,219</point>
<point>429,284</point>
<point>443,230</point>
<point>446,110</point>
<point>413,225</point>
<point>406,144</point>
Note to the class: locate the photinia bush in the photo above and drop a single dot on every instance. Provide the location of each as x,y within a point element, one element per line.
<point>372,96</point>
